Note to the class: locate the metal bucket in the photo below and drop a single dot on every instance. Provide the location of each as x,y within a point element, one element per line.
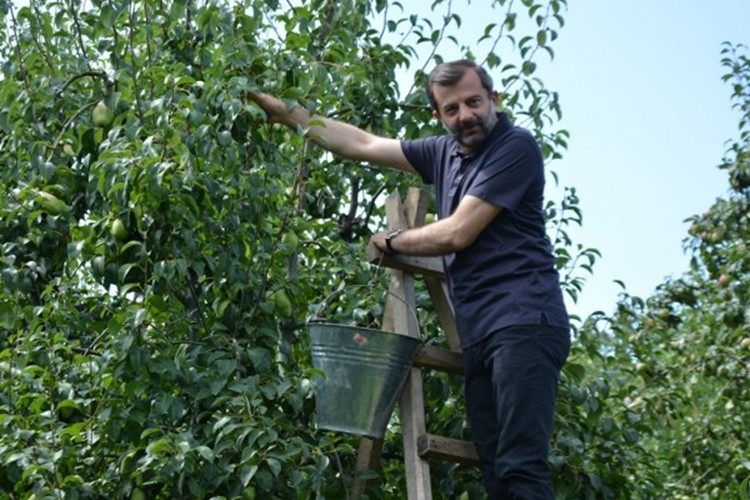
<point>365,371</point>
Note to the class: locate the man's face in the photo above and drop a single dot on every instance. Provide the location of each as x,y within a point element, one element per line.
<point>466,110</point>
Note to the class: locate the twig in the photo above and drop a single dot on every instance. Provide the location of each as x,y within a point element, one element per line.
<point>36,42</point>
<point>79,37</point>
<point>371,207</point>
<point>115,40</point>
<point>499,35</point>
<point>93,74</point>
<point>18,47</point>
<point>446,21</point>
<point>385,21</point>
<point>533,52</point>
<point>66,125</point>
<point>196,303</point>
<point>136,89</point>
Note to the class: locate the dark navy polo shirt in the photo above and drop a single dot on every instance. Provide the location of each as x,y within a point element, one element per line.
<point>507,277</point>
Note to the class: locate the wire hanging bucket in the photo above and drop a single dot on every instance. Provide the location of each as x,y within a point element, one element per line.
<point>364,373</point>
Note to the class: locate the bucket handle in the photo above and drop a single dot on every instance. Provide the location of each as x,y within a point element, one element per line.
<point>325,303</point>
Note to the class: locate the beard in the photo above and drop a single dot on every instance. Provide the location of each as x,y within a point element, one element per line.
<point>472,133</point>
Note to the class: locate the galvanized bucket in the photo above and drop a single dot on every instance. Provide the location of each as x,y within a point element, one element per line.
<point>365,371</point>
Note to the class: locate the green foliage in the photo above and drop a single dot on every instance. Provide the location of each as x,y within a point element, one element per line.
<point>146,211</point>
<point>597,444</point>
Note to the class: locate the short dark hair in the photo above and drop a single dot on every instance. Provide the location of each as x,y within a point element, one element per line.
<point>447,74</point>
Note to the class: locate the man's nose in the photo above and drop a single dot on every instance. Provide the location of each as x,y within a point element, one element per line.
<point>465,113</point>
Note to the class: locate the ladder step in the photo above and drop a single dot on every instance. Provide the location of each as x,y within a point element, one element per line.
<point>412,264</point>
<point>439,358</point>
<point>447,449</point>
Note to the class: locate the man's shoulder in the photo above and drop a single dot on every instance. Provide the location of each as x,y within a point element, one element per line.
<point>516,133</point>
<point>428,146</point>
<point>517,140</point>
<point>429,141</point>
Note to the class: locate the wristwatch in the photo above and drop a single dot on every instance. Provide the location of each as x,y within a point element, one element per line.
<point>389,237</point>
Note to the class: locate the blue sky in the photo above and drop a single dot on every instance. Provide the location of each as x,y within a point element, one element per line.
<point>649,117</point>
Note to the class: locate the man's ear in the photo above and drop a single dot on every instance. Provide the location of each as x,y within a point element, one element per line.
<point>495,97</point>
<point>436,115</point>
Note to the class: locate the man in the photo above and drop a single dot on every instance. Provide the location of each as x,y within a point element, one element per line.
<point>514,330</point>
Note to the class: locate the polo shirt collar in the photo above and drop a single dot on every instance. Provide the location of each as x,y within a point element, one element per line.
<point>502,126</point>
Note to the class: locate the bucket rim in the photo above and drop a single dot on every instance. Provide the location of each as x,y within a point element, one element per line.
<point>317,318</point>
<point>323,322</point>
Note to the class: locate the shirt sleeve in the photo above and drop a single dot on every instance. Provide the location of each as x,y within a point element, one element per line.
<point>422,155</point>
<point>509,172</point>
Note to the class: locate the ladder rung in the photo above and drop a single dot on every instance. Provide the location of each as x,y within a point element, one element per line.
<point>413,264</point>
<point>447,449</point>
<point>439,358</point>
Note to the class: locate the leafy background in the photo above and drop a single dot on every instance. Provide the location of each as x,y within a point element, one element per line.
<point>157,271</point>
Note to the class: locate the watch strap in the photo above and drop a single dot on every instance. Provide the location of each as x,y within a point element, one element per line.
<point>389,237</point>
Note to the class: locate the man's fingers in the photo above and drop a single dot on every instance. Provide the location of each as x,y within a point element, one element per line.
<point>265,102</point>
<point>273,107</point>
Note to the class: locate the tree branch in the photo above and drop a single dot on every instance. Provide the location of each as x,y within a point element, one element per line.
<point>92,74</point>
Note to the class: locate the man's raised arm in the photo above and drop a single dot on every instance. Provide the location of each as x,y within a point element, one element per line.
<point>337,137</point>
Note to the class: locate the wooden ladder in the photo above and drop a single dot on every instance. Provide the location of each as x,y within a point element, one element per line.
<point>419,446</point>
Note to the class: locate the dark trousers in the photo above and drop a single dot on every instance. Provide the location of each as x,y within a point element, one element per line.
<point>511,387</point>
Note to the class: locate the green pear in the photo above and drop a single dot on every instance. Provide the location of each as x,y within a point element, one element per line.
<point>291,239</point>
<point>51,203</point>
<point>281,304</point>
<point>102,115</point>
<point>118,230</point>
